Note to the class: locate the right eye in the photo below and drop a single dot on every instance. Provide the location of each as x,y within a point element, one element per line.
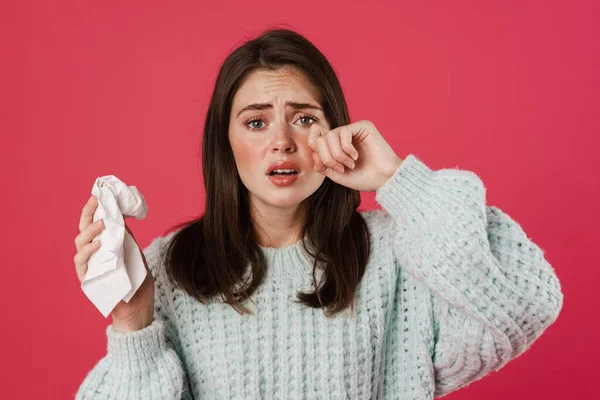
<point>254,123</point>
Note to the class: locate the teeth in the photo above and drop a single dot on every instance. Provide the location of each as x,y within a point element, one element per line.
<point>283,170</point>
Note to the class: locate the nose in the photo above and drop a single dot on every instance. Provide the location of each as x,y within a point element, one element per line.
<point>283,140</point>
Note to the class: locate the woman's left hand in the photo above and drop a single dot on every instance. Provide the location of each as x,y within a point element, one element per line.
<point>358,143</point>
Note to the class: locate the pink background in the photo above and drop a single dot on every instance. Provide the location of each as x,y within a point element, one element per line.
<point>507,89</point>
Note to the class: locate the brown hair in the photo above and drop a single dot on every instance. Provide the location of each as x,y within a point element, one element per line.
<point>209,256</point>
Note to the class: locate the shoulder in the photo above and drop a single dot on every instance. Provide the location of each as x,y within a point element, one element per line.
<point>379,222</point>
<point>381,271</point>
<point>381,226</point>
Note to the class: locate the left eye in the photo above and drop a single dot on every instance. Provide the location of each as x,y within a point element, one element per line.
<point>307,117</point>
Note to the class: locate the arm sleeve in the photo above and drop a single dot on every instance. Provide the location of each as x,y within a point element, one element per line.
<point>141,364</point>
<point>493,292</point>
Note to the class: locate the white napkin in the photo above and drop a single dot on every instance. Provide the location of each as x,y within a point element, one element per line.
<point>116,270</point>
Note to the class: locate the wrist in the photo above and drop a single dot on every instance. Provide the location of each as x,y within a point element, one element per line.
<point>389,170</point>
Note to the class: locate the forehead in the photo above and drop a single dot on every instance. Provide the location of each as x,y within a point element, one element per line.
<point>286,83</point>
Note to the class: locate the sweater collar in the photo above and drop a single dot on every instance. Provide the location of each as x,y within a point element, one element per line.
<point>291,261</point>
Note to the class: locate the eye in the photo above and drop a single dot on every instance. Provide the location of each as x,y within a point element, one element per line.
<point>306,117</point>
<point>254,123</point>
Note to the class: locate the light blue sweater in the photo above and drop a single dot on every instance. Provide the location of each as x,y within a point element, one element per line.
<point>453,290</point>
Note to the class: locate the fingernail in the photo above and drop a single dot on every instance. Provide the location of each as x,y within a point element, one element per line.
<point>349,164</point>
<point>355,157</point>
<point>339,169</point>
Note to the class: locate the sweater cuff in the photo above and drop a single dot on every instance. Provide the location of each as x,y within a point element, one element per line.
<point>406,192</point>
<point>146,344</point>
<point>415,192</point>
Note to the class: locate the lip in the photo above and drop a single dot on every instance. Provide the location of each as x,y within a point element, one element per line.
<point>283,165</point>
<point>283,180</point>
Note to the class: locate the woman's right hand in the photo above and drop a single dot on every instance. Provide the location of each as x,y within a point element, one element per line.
<point>127,317</point>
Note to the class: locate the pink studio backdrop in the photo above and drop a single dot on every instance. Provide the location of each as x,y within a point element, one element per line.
<point>507,89</point>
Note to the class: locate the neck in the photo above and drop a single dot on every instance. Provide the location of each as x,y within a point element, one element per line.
<point>278,227</point>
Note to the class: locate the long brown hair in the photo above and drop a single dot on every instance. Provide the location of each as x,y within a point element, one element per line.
<point>209,255</point>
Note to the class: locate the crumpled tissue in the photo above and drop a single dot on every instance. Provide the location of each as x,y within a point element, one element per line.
<point>116,270</point>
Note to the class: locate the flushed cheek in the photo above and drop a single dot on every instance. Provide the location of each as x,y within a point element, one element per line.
<point>247,158</point>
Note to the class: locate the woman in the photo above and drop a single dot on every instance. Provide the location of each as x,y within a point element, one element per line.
<point>283,289</point>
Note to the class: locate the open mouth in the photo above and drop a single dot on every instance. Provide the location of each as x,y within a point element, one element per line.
<point>283,173</point>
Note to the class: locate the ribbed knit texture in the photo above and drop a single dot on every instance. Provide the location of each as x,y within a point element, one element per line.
<point>453,290</point>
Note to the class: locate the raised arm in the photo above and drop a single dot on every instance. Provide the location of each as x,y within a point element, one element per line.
<point>493,292</point>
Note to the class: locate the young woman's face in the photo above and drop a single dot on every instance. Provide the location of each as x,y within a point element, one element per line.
<point>269,122</point>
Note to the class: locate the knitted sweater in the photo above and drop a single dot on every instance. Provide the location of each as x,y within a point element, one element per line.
<point>453,290</point>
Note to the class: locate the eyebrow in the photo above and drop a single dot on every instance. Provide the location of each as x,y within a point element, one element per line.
<point>293,104</point>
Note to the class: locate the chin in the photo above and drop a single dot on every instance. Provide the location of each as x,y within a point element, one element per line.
<point>288,197</point>
<point>282,201</point>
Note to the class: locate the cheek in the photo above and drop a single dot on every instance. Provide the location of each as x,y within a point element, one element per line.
<point>246,155</point>
<point>243,155</point>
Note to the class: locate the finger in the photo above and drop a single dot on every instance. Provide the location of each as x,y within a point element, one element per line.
<point>335,146</point>
<point>88,234</point>
<point>87,214</point>
<point>347,146</point>
<point>323,168</point>
<point>326,155</point>
<point>82,257</point>
<point>359,127</point>
<point>314,132</point>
